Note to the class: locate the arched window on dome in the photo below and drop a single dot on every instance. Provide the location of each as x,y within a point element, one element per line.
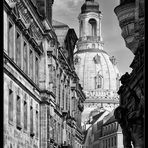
<point>98,81</point>
<point>93,27</point>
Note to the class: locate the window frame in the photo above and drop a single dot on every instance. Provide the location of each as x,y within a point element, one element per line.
<point>11,106</point>
<point>17,31</point>
<point>27,56</point>
<point>11,54</point>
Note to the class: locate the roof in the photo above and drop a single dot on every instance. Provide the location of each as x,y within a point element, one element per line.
<point>96,117</point>
<point>58,24</point>
<point>85,135</point>
<point>111,120</point>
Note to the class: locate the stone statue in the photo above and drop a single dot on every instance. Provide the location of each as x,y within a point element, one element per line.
<point>131,119</point>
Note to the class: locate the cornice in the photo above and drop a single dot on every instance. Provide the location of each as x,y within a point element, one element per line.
<point>7,59</point>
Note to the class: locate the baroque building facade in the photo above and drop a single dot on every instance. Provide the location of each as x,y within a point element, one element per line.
<point>98,72</point>
<point>131,20</point>
<point>43,99</point>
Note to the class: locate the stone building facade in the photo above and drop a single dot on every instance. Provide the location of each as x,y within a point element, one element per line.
<point>43,99</point>
<point>131,20</point>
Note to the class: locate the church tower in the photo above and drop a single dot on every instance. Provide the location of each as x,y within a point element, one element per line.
<point>98,73</point>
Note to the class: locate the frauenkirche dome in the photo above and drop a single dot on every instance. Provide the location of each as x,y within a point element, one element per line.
<point>98,73</point>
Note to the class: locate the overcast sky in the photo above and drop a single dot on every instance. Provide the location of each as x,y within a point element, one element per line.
<point>67,11</point>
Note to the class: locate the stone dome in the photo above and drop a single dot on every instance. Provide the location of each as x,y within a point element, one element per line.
<point>96,70</point>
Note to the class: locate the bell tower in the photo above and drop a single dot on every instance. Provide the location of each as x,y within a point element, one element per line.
<point>90,25</point>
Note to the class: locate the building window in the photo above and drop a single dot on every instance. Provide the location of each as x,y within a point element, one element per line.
<point>115,141</point>
<point>25,57</point>
<point>31,121</point>
<point>93,27</point>
<point>59,90</point>
<point>66,88</point>
<point>55,133</point>
<point>63,97</point>
<point>10,108</point>
<point>98,80</point>
<point>11,40</point>
<point>25,115</point>
<point>106,143</point>
<point>18,49</point>
<point>18,112</point>
<point>37,123</point>
<point>112,141</point>
<point>103,144</point>
<point>59,133</point>
<point>31,63</point>
<point>36,70</point>
<point>109,143</point>
<point>97,59</point>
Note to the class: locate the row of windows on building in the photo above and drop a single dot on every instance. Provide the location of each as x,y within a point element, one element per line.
<point>22,53</point>
<point>110,142</point>
<point>25,110</point>
<point>110,128</point>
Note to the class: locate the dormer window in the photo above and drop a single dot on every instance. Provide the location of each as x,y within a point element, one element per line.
<point>96,59</point>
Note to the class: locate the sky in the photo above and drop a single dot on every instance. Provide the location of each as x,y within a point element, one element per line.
<point>67,12</point>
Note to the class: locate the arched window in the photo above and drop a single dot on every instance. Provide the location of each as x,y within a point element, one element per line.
<point>93,27</point>
<point>98,81</point>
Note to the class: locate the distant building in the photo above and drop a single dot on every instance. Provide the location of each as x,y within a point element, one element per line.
<point>98,72</point>
<point>43,99</point>
<point>104,132</point>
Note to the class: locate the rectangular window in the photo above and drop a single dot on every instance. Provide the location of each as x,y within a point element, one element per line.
<point>36,70</point>
<point>112,141</point>
<point>10,108</point>
<point>59,133</point>
<point>109,142</point>
<point>59,90</point>
<point>18,112</point>
<point>31,63</point>
<point>18,49</point>
<point>25,58</point>
<point>37,123</point>
<point>115,140</point>
<point>25,115</point>
<point>63,97</point>
<point>54,128</point>
<point>31,122</point>
<point>66,98</point>
<point>11,40</point>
